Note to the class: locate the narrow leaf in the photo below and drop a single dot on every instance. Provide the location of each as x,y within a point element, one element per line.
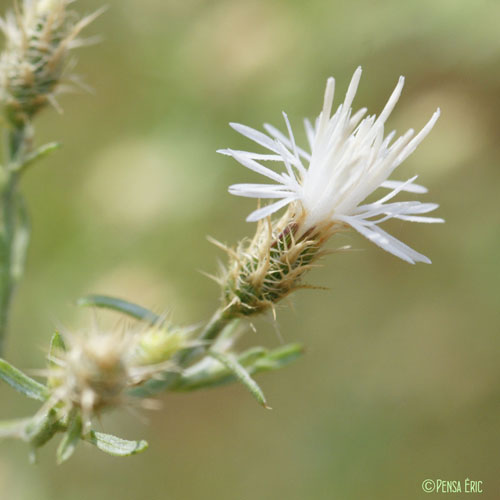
<point>22,383</point>
<point>42,428</point>
<point>38,154</point>
<point>116,446</point>
<point>231,363</point>
<point>250,356</point>
<point>57,347</point>
<point>119,305</point>
<point>56,344</point>
<point>206,374</point>
<point>70,439</point>
<point>277,358</point>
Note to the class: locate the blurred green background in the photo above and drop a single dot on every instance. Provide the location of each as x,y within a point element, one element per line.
<point>401,379</point>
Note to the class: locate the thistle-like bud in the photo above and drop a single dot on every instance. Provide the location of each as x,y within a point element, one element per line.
<point>266,269</point>
<point>39,36</point>
<point>92,371</point>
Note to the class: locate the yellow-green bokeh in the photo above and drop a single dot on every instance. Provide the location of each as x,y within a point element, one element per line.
<point>401,380</point>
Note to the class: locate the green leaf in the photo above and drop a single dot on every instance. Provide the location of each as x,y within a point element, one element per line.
<point>56,345</point>
<point>255,360</point>
<point>42,428</point>
<point>250,356</point>
<point>119,305</point>
<point>232,364</point>
<point>36,155</point>
<point>116,446</point>
<point>71,437</point>
<point>22,383</point>
<point>277,358</point>
<point>203,375</point>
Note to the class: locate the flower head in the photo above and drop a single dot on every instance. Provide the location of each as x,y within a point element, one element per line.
<point>349,159</point>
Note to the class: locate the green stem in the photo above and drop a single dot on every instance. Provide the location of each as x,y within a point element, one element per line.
<point>216,324</point>
<point>214,327</point>
<point>17,145</point>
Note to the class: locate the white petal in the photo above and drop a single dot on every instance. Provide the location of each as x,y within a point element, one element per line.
<point>396,93</point>
<point>422,208</point>
<point>255,135</point>
<point>396,190</point>
<point>408,150</point>
<point>327,104</point>
<point>260,190</point>
<point>257,167</point>
<point>252,156</point>
<point>394,209</point>
<point>388,140</point>
<point>353,122</point>
<point>295,158</point>
<point>409,188</point>
<point>415,218</point>
<point>385,241</point>
<point>277,134</point>
<point>351,91</point>
<point>260,213</point>
<point>310,132</point>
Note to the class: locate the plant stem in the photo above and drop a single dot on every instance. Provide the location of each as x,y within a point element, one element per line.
<point>216,324</point>
<point>214,327</point>
<point>16,149</point>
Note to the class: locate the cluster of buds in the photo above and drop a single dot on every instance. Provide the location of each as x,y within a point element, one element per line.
<point>38,36</point>
<point>92,371</point>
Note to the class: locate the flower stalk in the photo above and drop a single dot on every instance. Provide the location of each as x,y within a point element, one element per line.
<point>15,226</point>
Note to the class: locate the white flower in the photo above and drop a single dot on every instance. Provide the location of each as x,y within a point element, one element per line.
<point>349,160</point>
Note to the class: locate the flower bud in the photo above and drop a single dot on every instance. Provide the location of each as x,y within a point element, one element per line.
<point>158,344</point>
<point>38,39</point>
<point>265,270</point>
<point>92,371</point>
